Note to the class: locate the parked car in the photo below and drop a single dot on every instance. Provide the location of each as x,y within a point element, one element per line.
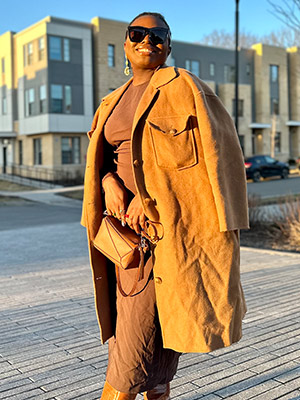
<point>264,166</point>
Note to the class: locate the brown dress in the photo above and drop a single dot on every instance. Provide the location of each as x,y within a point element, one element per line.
<point>137,361</point>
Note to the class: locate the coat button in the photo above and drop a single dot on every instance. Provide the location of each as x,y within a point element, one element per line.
<point>173,131</point>
<point>158,280</point>
<point>136,163</point>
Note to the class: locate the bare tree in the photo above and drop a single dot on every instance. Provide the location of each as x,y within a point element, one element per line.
<point>283,37</point>
<point>287,11</point>
<point>221,38</point>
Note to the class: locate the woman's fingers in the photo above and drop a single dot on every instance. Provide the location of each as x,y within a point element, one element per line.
<point>143,221</point>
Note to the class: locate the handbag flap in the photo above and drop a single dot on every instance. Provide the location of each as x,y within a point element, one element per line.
<point>116,242</point>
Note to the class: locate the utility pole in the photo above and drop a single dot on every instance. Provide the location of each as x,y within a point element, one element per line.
<point>237,65</point>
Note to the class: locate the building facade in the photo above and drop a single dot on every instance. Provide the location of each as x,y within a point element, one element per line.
<point>55,73</point>
<point>47,99</point>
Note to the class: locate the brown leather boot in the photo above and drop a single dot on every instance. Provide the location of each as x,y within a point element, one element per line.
<point>160,392</point>
<point>109,393</point>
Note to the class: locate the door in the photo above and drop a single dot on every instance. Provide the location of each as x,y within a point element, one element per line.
<point>4,160</point>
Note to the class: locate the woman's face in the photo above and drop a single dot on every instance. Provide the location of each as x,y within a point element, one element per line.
<point>146,55</point>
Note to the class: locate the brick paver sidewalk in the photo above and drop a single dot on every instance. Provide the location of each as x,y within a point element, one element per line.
<point>49,341</point>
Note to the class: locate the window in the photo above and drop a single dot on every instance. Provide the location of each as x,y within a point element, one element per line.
<point>111,55</point>
<point>240,107</point>
<point>68,99</point>
<point>29,53</point>
<point>37,151</point>
<point>56,98</point>
<point>66,50</point>
<point>41,48</point>
<point>229,74</point>
<point>212,69</point>
<point>29,102</point>
<point>20,152</point>
<point>277,142</point>
<point>3,65</point>
<point>248,69</point>
<point>274,106</point>
<point>59,48</point>
<point>70,150</point>
<point>274,69</point>
<point>4,105</point>
<point>43,97</point>
<point>193,66</point>
<point>55,50</point>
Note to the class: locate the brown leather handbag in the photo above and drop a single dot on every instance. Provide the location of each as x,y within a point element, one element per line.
<point>124,247</point>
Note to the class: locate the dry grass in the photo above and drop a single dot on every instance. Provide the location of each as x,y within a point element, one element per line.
<point>13,187</point>
<point>280,230</point>
<point>286,227</point>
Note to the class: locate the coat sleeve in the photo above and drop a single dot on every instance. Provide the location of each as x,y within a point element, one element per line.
<point>224,162</point>
<point>89,133</point>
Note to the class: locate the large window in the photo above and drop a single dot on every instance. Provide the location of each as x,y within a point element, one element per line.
<point>240,107</point>
<point>55,50</point>
<point>111,55</point>
<point>56,99</point>
<point>59,48</point>
<point>29,102</point>
<point>61,99</point>
<point>43,97</point>
<point>193,66</point>
<point>41,48</point>
<point>229,74</point>
<point>37,151</point>
<point>70,150</point>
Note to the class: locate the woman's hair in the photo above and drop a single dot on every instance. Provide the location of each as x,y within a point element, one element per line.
<point>153,14</point>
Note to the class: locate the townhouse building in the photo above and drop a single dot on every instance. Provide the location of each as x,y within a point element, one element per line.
<point>55,73</point>
<point>47,98</point>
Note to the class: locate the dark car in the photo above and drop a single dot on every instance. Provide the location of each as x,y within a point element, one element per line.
<point>264,166</point>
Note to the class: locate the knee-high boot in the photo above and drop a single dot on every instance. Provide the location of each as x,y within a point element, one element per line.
<point>160,392</point>
<point>109,393</point>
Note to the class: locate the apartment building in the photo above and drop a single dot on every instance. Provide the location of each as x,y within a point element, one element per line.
<point>55,73</point>
<point>47,98</point>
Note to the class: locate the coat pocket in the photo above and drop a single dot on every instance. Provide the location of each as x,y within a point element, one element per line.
<point>173,141</point>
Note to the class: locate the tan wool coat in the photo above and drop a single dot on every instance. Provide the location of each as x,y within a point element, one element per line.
<point>189,172</point>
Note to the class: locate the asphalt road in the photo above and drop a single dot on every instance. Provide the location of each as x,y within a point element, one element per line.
<point>40,235</point>
<point>275,187</point>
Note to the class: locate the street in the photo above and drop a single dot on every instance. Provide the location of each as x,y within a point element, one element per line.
<point>275,187</point>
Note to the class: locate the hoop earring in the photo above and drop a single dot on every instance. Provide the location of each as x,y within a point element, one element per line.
<point>127,69</point>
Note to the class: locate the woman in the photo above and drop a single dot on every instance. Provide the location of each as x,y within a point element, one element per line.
<point>180,165</point>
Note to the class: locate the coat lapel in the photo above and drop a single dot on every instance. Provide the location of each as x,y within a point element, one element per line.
<point>160,78</point>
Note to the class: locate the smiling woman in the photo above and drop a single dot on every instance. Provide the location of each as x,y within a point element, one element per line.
<point>162,150</point>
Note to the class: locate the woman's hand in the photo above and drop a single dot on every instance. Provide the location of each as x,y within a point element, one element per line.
<point>115,197</point>
<point>135,216</point>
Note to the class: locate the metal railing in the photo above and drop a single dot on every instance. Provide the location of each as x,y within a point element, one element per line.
<point>71,175</point>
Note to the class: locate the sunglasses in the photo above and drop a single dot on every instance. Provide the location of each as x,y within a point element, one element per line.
<point>156,35</point>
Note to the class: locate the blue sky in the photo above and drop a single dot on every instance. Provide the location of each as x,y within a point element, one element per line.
<point>189,20</point>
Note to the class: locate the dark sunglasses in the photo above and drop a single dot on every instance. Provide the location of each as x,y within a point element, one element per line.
<point>156,35</point>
